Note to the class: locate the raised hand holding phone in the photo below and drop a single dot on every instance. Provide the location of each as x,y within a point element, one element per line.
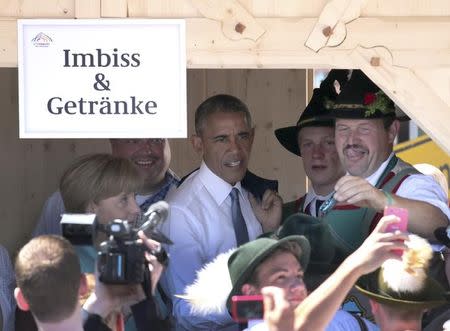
<point>401,213</point>
<point>402,225</point>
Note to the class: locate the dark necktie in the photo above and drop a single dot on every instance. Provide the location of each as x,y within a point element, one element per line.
<point>318,204</point>
<point>240,228</point>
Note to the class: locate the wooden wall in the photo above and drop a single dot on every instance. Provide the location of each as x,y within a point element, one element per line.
<point>31,168</point>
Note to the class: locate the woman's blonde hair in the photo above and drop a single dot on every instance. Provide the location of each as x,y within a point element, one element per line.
<point>95,177</point>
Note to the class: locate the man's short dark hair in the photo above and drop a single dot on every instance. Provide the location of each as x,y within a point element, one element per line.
<point>220,103</point>
<point>48,273</point>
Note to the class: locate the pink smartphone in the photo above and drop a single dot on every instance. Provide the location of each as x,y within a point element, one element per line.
<point>402,225</point>
<point>247,307</point>
<point>401,213</point>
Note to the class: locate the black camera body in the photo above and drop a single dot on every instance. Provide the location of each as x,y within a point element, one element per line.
<point>120,258</point>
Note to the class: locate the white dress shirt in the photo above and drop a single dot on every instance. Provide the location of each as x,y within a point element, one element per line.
<point>201,227</point>
<point>311,199</point>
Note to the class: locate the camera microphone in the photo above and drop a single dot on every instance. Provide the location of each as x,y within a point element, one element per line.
<point>153,217</point>
<point>155,214</point>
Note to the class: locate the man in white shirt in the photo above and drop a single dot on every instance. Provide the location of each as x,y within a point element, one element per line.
<point>202,221</point>
<point>366,126</point>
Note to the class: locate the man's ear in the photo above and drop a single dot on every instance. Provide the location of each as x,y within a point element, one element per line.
<point>252,135</point>
<point>197,143</point>
<point>393,131</point>
<point>83,290</point>
<point>374,306</point>
<point>22,303</point>
<point>248,289</point>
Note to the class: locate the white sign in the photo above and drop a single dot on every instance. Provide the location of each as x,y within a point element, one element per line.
<point>103,78</point>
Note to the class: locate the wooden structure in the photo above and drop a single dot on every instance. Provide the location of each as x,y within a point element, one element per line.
<point>403,46</point>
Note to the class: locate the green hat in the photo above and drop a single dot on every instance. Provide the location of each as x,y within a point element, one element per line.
<point>315,113</point>
<point>318,233</point>
<point>362,99</point>
<point>246,258</point>
<point>431,295</point>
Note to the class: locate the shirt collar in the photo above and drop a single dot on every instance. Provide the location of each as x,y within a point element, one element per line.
<point>311,195</point>
<point>373,178</point>
<point>216,186</point>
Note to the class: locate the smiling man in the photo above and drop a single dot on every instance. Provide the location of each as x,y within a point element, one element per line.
<point>210,211</point>
<point>312,138</point>
<point>366,127</point>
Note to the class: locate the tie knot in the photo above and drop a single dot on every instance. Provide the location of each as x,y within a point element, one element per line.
<point>234,193</point>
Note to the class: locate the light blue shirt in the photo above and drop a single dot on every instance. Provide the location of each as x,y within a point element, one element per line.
<point>342,321</point>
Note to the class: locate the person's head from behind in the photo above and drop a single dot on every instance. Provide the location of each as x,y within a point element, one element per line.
<point>224,136</point>
<point>102,184</point>
<point>366,125</point>
<point>150,156</point>
<point>269,262</point>
<point>49,279</point>
<point>391,317</point>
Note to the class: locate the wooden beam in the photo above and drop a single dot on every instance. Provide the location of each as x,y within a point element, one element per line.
<point>87,8</point>
<point>237,23</point>
<point>114,8</point>
<point>37,9</point>
<point>292,8</point>
<point>413,42</point>
<point>413,95</point>
<point>330,29</point>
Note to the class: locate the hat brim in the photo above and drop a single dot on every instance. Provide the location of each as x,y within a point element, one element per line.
<point>288,136</point>
<point>303,260</point>
<point>359,113</point>
<point>435,294</point>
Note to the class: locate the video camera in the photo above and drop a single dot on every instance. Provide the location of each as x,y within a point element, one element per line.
<point>120,258</point>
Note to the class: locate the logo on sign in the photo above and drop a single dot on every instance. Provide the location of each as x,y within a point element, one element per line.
<point>41,40</point>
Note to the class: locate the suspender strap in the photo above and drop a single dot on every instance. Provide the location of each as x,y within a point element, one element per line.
<point>361,323</point>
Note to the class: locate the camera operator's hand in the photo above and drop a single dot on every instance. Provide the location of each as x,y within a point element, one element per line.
<point>111,298</point>
<point>156,268</point>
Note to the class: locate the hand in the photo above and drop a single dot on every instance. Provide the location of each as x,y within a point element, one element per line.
<point>278,313</point>
<point>359,192</point>
<point>378,247</point>
<point>268,210</point>
<point>156,268</point>
<point>110,298</point>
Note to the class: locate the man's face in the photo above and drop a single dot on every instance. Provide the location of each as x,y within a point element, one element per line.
<point>363,145</point>
<point>284,271</point>
<point>225,143</point>
<point>320,158</point>
<point>151,157</point>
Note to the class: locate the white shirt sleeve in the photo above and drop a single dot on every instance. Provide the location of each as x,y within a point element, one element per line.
<point>424,188</point>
